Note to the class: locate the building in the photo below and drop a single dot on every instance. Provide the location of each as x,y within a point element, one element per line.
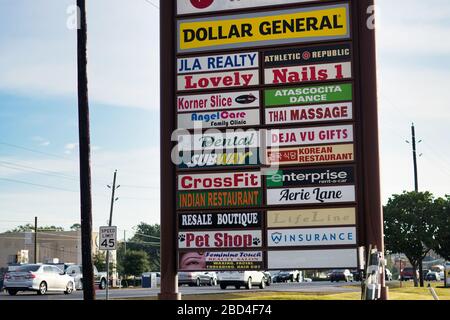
<point>52,246</point>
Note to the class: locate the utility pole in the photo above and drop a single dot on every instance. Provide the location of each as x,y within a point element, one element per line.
<point>85,155</point>
<point>416,181</point>
<point>113,191</point>
<point>35,241</point>
<point>125,240</point>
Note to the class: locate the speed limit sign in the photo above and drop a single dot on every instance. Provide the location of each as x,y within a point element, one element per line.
<point>107,238</point>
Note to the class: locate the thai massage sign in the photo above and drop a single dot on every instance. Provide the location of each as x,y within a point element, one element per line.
<point>264,28</point>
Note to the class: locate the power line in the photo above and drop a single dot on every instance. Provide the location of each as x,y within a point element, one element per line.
<point>34,151</point>
<point>36,170</point>
<point>37,185</point>
<point>152,4</point>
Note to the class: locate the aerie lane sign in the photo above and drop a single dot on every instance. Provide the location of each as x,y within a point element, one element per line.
<point>308,95</point>
<point>309,73</point>
<point>307,55</point>
<point>220,239</point>
<point>218,101</point>
<point>310,113</point>
<point>264,28</point>
<point>200,6</point>
<point>319,195</point>
<point>237,61</point>
<point>308,136</point>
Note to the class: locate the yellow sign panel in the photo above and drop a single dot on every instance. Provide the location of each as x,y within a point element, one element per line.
<point>311,218</point>
<point>287,26</point>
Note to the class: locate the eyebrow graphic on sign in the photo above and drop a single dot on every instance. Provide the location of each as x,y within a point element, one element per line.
<point>264,28</point>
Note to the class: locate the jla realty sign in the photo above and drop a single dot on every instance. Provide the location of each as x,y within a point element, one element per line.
<point>274,164</point>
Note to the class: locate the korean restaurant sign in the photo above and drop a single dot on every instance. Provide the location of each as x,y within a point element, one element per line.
<point>300,25</point>
<point>200,6</point>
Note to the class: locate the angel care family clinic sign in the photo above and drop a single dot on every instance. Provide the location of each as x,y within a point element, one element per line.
<point>274,164</point>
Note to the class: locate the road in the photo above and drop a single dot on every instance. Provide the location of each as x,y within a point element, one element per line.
<point>144,292</point>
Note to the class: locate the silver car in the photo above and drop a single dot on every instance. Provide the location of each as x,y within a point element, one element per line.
<point>40,278</point>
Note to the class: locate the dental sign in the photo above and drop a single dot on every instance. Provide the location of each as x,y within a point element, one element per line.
<point>268,103</point>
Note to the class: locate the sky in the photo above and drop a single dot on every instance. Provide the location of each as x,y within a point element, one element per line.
<point>38,106</point>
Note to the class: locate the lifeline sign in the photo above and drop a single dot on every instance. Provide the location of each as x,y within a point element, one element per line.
<point>264,28</point>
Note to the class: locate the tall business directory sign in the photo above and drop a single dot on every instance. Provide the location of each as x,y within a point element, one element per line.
<point>269,136</point>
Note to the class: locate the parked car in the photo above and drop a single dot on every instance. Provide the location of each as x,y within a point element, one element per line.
<point>356,275</point>
<point>408,274</point>
<point>268,278</point>
<point>239,279</point>
<point>433,276</point>
<point>288,276</point>
<point>341,275</point>
<point>76,272</point>
<point>40,278</point>
<point>387,274</point>
<point>197,278</point>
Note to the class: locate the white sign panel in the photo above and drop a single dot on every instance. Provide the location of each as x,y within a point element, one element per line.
<point>311,237</point>
<point>199,6</point>
<point>248,60</point>
<point>319,195</point>
<point>108,238</point>
<point>219,119</point>
<point>213,181</point>
<point>219,141</point>
<point>316,72</point>
<point>310,114</point>
<point>309,136</point>
<point>218,101</point>
<point>220,239</point>
<point>216,80</point>
<point>313,259</point>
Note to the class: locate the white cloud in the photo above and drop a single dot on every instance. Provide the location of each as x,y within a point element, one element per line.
<point>42,142</point>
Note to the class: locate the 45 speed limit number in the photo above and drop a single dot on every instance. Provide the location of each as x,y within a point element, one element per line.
<point>107,238</point>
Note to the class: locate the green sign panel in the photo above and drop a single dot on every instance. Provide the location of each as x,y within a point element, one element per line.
<point>219,199</point>
<point>308,95</point>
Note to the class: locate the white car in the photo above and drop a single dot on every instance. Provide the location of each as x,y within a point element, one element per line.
<point>239,279</point>
<point>40,278</point>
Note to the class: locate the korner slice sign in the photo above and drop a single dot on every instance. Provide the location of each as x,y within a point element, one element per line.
<point>308,95</point>
<point>218,101</point>
<point>311,237</point>
<point>308,136</point>
<point>230,79</point>
<point>264,28</point>
<point>320,195</point>
<point>219,119</point>
<point>199,221</point>
<point>310,113</point>
<point>229,180</point>
<point>237,61</point>
<point>313,259</point>
<point>309,73</point>
<point>200,6</point>
<point>220,239</point>
<point>312,155</point>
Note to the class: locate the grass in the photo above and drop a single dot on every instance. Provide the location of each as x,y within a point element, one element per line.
<point>407,292</point>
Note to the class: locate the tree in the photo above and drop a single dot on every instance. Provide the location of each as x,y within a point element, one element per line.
<point>75,227</point>
<point>410,227</point>
<point>135,263</point>
<point>30,228</point>
<point>147,238</point>
<point>442,237</point>
<point>99,260</point>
